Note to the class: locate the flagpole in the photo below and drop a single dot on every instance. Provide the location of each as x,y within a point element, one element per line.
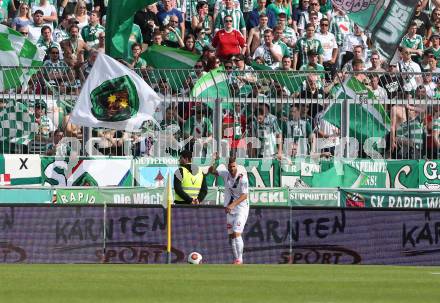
<point>169,196</point>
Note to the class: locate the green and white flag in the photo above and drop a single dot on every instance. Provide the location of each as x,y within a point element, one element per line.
<point>176,64</point>
<point>18,125</point>
<point>292,80</point>
<point>119,23</point>
<point>368,118</point>
<point>212,85</point>
<point>115,97</point>
<point>17,57</point>
<point>343,175</point>
<point>167,57</point>
<point>20,169</point>
<point>386,20</point>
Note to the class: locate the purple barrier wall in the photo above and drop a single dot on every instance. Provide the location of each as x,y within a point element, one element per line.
<point>138,235</point>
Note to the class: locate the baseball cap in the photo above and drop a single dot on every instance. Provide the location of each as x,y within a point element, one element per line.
<point>312,53</point>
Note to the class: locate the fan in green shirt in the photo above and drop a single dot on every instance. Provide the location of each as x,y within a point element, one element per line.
<point>198,126</point>
<point>90,32</point>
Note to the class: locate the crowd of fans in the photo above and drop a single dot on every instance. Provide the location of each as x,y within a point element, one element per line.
<point>311,36</point>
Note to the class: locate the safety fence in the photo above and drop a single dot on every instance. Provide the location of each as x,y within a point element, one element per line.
<point>283,235</point>
<point>252,113</point>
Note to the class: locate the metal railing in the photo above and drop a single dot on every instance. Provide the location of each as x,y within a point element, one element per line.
<point>253,113</point>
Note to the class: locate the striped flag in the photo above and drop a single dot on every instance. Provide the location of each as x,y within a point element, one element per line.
<point>291,80</point>
<point>212,85</point>
<point>5,179</point>
<point>17,124</point>
<point>368,118</point>
<point>163,57</point>
<point>17,56</point>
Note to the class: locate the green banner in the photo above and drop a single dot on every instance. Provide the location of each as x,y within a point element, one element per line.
<point>128,196</point>
<point>26,195</point>
<point>389,199</point>
<point>264,196</point>
<point>314,197</point>
<point>376,173</point>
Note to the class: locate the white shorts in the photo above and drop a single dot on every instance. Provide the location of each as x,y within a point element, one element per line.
<point>235,222</point>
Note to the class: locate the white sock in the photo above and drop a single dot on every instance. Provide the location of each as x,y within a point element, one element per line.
<point>239,247</point>
<point>234,249</point>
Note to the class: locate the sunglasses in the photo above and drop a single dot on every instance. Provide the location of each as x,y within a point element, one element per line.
<point>54,53</point>
<point>24,33</point>
<point>324,24</point>
<point>228,67</point>
<point>229,20</point>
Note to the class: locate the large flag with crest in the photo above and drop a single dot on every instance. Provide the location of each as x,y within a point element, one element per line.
<point>18,58</point>
<point>114,96</point>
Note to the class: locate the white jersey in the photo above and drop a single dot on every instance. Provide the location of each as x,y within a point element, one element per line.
<point>234,188</point>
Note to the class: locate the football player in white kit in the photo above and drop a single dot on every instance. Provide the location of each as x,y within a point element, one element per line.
<point>236,204</point>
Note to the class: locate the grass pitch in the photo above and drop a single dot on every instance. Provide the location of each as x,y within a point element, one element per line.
<point>218,283</point>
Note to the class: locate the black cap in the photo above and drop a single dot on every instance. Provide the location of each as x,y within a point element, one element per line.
<point>312,52</point>
<point>40,103</point>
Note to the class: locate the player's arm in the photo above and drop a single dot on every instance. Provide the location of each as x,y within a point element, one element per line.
<point>213,168</point>
<point>234,203</point>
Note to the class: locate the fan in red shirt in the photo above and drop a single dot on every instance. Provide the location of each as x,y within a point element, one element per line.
<point>228,41</point>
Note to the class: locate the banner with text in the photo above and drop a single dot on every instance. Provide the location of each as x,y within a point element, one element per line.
<point>390,199</point>
<point>137,234</point>
<point>376,173</point>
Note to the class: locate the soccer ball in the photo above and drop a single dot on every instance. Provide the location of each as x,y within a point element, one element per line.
<point>194,258</point>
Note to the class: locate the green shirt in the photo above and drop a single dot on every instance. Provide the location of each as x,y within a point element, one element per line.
<point>4,10</point>
<point>415,43</point>
<point>304,45</point>
<point>237,19</point>
<point>90,34</point>
<point>279,9</point>
<point>266,133</point>
<point>287,51</point>
<point>340,26</point>
<point>140,63</point>
<point>296,129</point>
<point>436,54</point>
